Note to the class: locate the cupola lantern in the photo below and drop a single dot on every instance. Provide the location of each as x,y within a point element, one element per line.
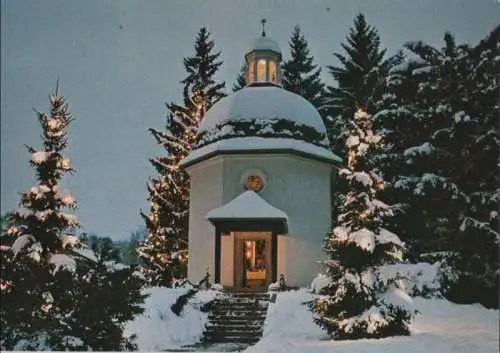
<point>263,60</point>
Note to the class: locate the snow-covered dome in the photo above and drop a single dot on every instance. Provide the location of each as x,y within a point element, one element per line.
<point>261,104</point>
<point>262,118</point>
<point>264,43</point>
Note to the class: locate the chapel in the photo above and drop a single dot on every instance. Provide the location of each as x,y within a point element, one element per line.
<point>261,176</point>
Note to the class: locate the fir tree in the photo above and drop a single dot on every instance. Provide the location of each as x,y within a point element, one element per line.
<point>52,294</point>
<point>476,256</point>
<point>103,247</point>
<point>40,226</point>
<point>38,232</point>
<point>3,222</point>
<point>360,79</point>
<point>441,152</point>
<point>300,75</point>
<point>164,251</point>
<point>116,289</point>
<point>130,256</point>
<point>359,303</point>
<point>241,80</point>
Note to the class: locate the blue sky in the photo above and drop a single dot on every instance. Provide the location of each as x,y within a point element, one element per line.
<point>119,61</point>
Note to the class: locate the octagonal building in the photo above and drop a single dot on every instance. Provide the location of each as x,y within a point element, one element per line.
<point>261,176</point>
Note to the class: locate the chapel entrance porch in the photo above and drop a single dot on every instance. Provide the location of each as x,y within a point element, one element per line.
<point>246,242</point>
<point>246,260</point>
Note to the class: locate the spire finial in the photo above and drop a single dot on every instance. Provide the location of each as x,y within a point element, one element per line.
<point>263,21</point>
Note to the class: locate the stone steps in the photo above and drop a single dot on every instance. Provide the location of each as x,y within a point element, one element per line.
<point>234,326</point>
<point>237,318</point>
<point>243,304</point>
<point>236,314</point>
<point>236,322</point>
<point>226,338</point>
<point>214,331</point>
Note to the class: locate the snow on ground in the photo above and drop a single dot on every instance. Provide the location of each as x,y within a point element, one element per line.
<point>158,328</point>
<point>442,327</point>
<point>289,318</point>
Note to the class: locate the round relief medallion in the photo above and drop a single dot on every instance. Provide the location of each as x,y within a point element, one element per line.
<point>254,182</point>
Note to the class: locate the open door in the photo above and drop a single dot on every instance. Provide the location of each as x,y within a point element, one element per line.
<point>252,260</point>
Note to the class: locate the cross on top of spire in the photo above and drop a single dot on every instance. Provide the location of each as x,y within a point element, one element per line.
<point>263,21</point>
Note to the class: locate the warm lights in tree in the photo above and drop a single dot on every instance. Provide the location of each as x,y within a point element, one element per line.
<point>357,244</point>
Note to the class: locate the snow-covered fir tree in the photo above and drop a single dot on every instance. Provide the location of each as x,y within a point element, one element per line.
<point>40,227</point>
<point>241,80</point>
<point>37,232</point>
<point>409,115</point>
<point>53,296</point>
<point>360,79</point>
<point>300,75</point>
<point>441,154</point>
<point>164,251</point>
<point>359,303</point>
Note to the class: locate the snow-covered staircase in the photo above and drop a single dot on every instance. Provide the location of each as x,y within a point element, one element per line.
<point>237,318</point>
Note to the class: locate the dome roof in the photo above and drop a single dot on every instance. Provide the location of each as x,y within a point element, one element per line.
<point>264,43</point>
<point>262,119</point>
<point>262,103</point>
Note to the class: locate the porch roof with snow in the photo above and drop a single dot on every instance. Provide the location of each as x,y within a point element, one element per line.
<point>249,211</point>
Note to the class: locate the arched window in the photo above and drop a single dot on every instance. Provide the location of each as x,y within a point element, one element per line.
<point>261,70</point>
<point>272,72</point>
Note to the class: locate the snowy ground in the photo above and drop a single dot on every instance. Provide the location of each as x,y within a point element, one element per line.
<point>158,328</point>
<point>441,326</point>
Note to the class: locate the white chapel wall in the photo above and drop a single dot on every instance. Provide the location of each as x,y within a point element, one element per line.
<point>206,194</point>
<point>282,256</point>
<point>301,188</point>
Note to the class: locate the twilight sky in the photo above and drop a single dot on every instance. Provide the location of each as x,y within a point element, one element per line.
<point>119,61</point>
